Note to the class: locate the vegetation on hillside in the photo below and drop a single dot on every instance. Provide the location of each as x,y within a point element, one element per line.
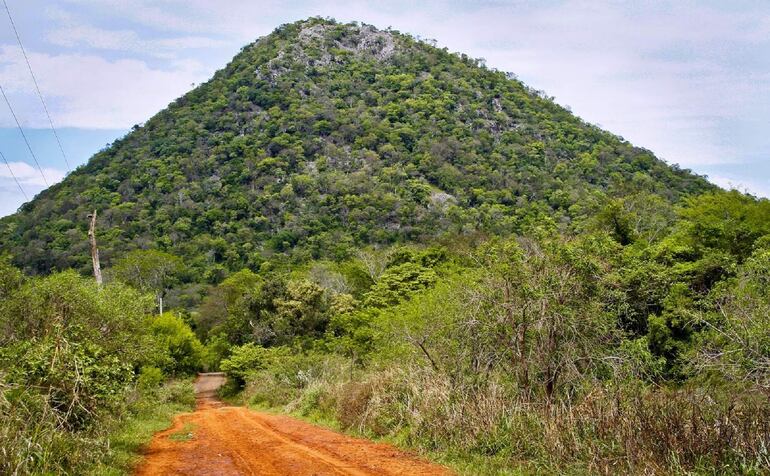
<point>322,138</point>
<point>539,353</point>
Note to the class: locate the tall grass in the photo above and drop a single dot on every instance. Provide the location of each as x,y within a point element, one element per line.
<point>34,440</point>
<point>632,429</point>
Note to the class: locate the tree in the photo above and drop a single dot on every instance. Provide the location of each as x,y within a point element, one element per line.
<point>149,271</point>
<point>736,341</point>
<point>179,350</point>
<point>726,221</point>
<point>228,299</point>
<point>538,308</point>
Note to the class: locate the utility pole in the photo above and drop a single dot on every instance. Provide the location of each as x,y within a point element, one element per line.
<point>94,249</point>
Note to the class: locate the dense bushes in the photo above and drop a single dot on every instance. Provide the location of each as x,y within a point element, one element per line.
<point>179,351</point>
<point>76,344</point>
<point>70,352</point>
<point>547,354</point>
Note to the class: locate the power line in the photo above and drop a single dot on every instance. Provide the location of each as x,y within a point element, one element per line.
<point>14,177</point>
<point>26,141</point>
<point>37,88</point>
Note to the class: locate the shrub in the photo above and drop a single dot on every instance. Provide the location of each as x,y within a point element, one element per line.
<point>179,350</point>
<point>150,377</point>
<point>77,344</point>
<point>248,358</point>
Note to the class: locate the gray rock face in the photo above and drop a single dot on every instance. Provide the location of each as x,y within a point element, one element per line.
<point>322,45</point>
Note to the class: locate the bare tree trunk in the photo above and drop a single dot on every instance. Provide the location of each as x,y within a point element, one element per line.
<point>94,249</point>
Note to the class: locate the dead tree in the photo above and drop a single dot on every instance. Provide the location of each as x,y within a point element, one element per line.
<point>94,249</point>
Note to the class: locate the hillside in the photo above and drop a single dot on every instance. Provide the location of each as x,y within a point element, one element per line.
<point>321,137</point>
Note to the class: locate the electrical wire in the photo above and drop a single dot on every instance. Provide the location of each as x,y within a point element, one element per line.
<point>37,88</point>
<point>26,141</point>
<point>26,197</point>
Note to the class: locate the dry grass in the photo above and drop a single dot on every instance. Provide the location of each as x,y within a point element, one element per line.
<point>632,430</point>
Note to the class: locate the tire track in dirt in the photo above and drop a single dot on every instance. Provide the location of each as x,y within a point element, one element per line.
<point>223,440</point>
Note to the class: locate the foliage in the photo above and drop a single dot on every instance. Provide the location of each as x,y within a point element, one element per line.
<point>149,271</point>
<point>321,139</point>
<point>730,221</point>
<point>69,355</point>
<point>179,350</point>
<point>216,349</point>
<point>248,358</point>
<point>736,342</point>
<point>71,344</point>
<point>397,282</point>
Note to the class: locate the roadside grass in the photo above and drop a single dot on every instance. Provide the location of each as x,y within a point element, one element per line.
<point>482,432</point>
<point>461,464</point>
<point>307,407</point>
<point>149,412</point>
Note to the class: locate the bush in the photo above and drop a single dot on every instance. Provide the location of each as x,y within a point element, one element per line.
<point>150,377</point>
<point>77,344</point>
<point>216,349</point>
<point>247,358</point>
<point>68,354</point>
<point>179,350</point>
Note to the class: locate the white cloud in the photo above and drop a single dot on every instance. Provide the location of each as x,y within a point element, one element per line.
<point>89,91</point>
<point>29,175</point>
<point>758,187</point>
<point>31,182</point>
<point>72,36</point>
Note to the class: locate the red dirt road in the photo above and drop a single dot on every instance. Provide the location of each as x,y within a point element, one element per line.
<point>221,440</point>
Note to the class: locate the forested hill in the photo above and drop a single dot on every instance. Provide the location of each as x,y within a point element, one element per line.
<point>322,137</point>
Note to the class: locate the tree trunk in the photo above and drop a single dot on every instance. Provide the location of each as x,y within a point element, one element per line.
<point>94,249</point>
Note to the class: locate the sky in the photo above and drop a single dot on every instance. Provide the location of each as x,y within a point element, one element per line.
<point>689,80</point>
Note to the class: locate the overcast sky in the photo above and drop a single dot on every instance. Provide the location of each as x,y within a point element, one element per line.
<point>688,80</point>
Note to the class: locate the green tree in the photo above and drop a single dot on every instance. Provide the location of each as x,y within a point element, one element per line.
<point>149,271</point>
<point>736,343</point>
<point>178,349</point>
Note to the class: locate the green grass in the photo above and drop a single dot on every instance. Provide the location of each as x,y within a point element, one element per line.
<point>151,413</point>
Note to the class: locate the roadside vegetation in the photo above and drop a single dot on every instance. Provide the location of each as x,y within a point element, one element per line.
<point>609,352</point>
<point>87,374</point>
<point>639,345</point>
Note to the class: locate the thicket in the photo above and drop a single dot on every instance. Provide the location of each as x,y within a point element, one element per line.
<point>541,353</point>
<point>76,363</point>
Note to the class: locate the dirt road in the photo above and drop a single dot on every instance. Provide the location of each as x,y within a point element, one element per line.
<point>222,440</point>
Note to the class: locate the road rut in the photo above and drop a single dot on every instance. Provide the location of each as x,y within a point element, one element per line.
<point>225,440</point>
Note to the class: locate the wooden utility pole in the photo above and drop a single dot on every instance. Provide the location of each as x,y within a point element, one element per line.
<point>94,249</point>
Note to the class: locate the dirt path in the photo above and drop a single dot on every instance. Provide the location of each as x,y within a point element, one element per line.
<point>222,440</point>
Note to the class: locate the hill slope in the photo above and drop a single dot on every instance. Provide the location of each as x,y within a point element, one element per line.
<point>321,137</point>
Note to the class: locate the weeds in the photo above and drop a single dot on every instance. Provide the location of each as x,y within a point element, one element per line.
<point>32,441</point>
<point>185,434</point>
<point>490,429</point>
